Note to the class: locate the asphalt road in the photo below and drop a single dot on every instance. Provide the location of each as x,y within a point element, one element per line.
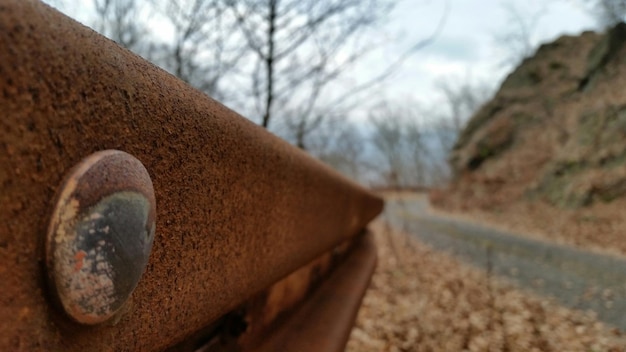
<point>575,278</point>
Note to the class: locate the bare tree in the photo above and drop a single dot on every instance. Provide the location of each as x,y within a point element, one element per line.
<point>205,46</point>
<point>415,154</point>
<point>340,143</point>
<point>299,47</point>
<point>386,138</point>
<point>608,12</point>
<point>462,98</point>
<point>292,53</point>
<point>118,20</point>
<point>399,141</point>
<point>517,39</point>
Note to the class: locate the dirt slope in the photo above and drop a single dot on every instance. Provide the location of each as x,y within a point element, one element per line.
<point>551,144</point>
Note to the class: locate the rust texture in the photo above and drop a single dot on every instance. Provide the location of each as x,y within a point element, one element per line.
<point>267,311</point>
<point>239,209</point>
<point>249,325</point>
<point>100,235</point>
<point>325,320</point>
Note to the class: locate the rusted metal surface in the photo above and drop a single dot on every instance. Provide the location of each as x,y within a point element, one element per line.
<point>325,320</point>
<point>100,235</point>
<point>265,312</point>
<point>249,325</point>
<point>239,209</point>
<point>312,309</point>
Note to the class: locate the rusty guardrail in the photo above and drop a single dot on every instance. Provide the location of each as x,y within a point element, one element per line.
<point>246,225</point>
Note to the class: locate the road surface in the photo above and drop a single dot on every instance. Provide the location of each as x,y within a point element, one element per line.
<point>575,278</point>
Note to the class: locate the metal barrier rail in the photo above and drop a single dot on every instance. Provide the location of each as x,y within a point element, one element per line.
<point>243,219</point>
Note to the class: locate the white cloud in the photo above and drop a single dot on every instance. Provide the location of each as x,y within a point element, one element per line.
<point>466,46</point>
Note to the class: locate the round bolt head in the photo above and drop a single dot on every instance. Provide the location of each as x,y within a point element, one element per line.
<point>100,235</point>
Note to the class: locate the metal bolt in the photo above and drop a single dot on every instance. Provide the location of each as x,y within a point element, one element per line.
<point>100,235</point>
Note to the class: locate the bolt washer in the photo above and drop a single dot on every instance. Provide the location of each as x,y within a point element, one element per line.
<point>100,235</point>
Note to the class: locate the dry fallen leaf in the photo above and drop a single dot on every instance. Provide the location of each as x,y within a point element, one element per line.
<point>423,300</point>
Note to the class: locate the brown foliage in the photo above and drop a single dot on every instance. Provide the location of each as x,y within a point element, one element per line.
<point>423,300</point>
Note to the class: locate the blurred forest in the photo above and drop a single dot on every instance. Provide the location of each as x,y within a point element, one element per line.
<point>295,68</point>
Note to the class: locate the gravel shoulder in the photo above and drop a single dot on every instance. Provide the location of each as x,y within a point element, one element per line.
<point>575,278</point>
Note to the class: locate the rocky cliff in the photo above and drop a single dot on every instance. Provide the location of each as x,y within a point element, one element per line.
<point>554,132</point>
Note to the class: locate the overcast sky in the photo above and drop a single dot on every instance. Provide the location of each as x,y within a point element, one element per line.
<point>466,48</point>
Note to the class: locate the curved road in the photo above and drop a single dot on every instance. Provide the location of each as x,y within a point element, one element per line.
<point>575,278</point>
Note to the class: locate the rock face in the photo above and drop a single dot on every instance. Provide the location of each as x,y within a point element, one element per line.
<point>555,131</point>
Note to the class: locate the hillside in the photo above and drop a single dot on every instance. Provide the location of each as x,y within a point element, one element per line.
<point>548,153</point>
